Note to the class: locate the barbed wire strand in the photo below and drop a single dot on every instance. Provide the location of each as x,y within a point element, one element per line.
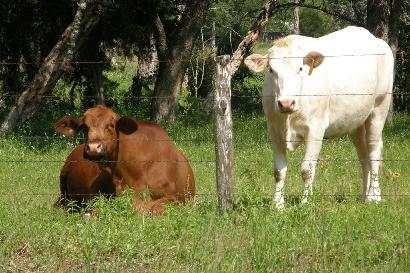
<point>204,57</point>
<point>23,161</point>
<point>264,194</point>
<point>209,140</point>
<point>232,96</point>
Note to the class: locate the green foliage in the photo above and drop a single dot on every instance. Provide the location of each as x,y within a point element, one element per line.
<point>118,90</point>
<point>28,30</point>
<point>232,18</point>
<point>246,92</point>
<point>315,23</point>
<point>261,48</point>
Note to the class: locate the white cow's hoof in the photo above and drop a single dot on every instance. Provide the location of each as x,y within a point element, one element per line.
<point>372,198</point>
<point>304,200</point>
<point>280,206</point>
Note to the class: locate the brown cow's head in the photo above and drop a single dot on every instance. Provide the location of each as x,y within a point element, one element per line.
<point>101,127</point>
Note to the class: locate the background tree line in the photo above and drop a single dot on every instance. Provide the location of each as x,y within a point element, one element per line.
<point>57,53</point>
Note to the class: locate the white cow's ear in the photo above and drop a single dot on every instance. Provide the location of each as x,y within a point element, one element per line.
<point>256,62</point>
<point>313,59</point>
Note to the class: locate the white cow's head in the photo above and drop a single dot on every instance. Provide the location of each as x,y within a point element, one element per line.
<point>286,65</point>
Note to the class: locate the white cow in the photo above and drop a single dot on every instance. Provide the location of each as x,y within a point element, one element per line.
<point>326,87</point>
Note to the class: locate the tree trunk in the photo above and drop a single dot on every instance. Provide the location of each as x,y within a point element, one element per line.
<point>173,55</point>
<point>296,29</point>
<point>147,68</point>
<point>394,26</point>
<point>167,88</point>
<point>382,20</point>
<point>378,16</point>
<point>55,63</point>
<point>98,84</point>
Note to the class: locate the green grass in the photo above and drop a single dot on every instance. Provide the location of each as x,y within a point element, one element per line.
<point>262,48</point>
<point>333,233</point>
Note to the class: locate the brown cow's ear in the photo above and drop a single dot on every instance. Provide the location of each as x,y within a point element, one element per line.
<point>127,125</point>
<point>313,59</point>
<point>68,126</point>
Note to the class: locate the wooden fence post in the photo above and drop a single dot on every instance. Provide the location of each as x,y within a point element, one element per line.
<point>223,133</point>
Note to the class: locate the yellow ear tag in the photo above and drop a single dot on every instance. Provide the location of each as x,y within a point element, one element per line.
<point>311,66</point>
<point>310,70</point>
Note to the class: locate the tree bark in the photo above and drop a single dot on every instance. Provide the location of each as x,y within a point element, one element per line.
<point>173,54</point>
<point>296,28</point>
<point>394,26</point>
<point>378,16</point>
<point>223,134</point>
<point>382,20</point>
<point>57,61</point>
<point>98,84</point>
<point>147,68</point>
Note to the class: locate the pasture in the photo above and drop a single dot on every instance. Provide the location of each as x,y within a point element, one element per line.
<point>333,233</point>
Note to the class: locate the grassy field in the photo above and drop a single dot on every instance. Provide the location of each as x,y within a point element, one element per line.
<point>333,233</point>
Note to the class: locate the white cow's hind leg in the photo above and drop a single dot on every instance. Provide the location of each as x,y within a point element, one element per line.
<point>358,137</point>
<point>375,152</point>
<point>308,168</point>
<point>374,126</point>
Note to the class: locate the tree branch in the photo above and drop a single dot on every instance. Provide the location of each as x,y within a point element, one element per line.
<point>160,38</point>
<point>268,9</point>
<point>252,35</point>
<point>321,8</point>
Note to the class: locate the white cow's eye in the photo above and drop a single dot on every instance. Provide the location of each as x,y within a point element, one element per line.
<point>270,70</point>
<point>300,69</point>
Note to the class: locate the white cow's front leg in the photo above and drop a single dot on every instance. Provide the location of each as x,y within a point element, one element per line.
<point>308,168</point>
<point>280,169</point>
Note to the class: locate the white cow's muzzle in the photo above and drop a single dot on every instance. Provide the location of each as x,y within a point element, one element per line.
<point>286,105</point>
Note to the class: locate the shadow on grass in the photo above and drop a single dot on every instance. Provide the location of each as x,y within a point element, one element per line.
<point>246,201</point>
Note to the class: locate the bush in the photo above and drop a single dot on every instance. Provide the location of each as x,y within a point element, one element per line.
<point>246,91</point>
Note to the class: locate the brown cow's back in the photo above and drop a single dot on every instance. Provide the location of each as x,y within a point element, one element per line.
<point>149,158</point>
<point>81,179</point>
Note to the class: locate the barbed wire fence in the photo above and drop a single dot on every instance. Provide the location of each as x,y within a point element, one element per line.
<point>224,161</point>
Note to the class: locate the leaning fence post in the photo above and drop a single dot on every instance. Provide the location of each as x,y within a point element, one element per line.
<point>223,133</point>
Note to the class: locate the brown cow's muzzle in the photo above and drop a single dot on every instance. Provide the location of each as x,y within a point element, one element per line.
<point>95,151</point>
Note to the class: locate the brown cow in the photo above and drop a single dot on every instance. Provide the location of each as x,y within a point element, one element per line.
<point>137,154</point>
<point>81,180</point>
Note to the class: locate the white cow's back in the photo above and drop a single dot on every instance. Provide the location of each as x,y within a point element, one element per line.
<point>341,93</point>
